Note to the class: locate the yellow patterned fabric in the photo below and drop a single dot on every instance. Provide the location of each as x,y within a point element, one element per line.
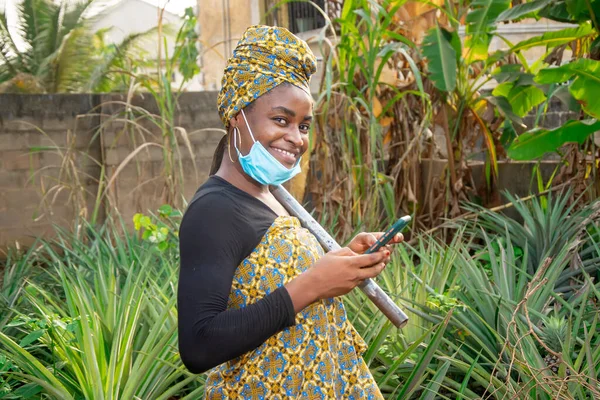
<point>318,358</point>
<point>265,57</point>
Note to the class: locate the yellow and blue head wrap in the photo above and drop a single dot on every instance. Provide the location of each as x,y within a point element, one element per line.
<point>265,57</point>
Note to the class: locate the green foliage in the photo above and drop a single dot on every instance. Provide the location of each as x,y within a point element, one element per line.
<point>584,86</point>
<point>489,313</point>
<point>572,11</point>
<point>575,83</point>
<point>524,10</point>
<point>355,99</point>
<point>481,23</point>
<point>60,52</point>
<point>545,229</point>
<point>442,56</point>
<point>102,323</point>
<point>537,142</point>
<point>163,232</point>
<point>554,39</point>
<point>500,287</point>
<point>186,49</point>
<point>522,98</point>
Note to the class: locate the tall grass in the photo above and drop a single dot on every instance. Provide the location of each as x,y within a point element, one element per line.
<point>84,176</point>
<point>365,149</point>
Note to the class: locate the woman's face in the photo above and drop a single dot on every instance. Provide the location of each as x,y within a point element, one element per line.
<point>280,121</point>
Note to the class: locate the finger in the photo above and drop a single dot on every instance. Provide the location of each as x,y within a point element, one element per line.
<point>387,250</point>
<point>398,238</point>
<point>371,272</point>
<point>367,260</point>
<point>365,240</point>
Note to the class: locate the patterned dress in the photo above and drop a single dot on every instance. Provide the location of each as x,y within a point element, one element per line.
<point>318,358</point>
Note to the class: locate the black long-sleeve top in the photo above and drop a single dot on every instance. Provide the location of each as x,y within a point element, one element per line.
<point>220,228</point>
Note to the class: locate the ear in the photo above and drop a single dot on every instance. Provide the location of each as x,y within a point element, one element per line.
<point>233,121</point>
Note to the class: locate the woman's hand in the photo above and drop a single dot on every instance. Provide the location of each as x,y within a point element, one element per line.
<point>335,274</point>
<point>364,240</point>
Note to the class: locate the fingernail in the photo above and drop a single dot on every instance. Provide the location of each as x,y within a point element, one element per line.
<point>387,253</point>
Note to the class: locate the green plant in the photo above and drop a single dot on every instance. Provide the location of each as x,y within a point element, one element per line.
<point>358,172</point>
<point>459,73</point>
<point>573,82</point>
<point>16,268</point>
<point>54,50</point>
<point>164,233</point>
<point>554,335</point>
<point>546,228</point>
<point>107,328</point>
<point>503,303</point>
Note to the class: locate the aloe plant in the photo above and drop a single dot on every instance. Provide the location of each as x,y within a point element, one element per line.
<point>107,328</point>
<point>546,227</point>
<point>501,282</point>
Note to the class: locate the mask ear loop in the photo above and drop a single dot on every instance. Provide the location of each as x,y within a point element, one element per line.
<point>248,126</point>
<point>235,129</point>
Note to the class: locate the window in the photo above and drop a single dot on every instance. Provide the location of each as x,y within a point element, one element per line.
<point>305,17</point>
<point>297,16</point>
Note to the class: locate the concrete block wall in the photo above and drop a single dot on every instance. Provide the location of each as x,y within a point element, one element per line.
<point>42,137</point>
<point>139,185</point>
<point>29,124</point>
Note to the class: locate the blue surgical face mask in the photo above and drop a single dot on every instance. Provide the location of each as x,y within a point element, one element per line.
<point>261,165</point>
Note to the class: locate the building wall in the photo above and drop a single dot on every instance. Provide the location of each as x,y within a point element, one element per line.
<point>222,23</point>
<point>136,16</point>
<point>43,136</point>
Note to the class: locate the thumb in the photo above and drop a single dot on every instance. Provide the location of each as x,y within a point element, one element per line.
<point>365,239</point>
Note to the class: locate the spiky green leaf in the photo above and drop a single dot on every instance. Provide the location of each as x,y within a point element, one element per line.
<point>481,22</point>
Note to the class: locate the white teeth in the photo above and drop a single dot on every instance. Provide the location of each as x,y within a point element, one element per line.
<point>285,152</point>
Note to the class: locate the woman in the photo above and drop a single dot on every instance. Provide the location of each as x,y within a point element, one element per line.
<point>257,295</point>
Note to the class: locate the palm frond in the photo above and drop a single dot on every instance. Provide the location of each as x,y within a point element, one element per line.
<point>27,28</point>
<point>103,76</point>
<point>73,66</point>
<point>75,14</point>
<point>8,49</point>
<point>49,34</point>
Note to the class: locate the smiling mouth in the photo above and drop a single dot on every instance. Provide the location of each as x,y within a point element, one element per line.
<point>286,156</point>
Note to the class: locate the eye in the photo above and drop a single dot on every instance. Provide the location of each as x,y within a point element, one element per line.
<point>304,127</point>
<point>280,120</point>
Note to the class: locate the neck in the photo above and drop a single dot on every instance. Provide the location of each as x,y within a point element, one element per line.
<point>233,173</point>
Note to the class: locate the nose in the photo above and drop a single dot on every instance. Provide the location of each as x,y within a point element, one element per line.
<point>295,137</point>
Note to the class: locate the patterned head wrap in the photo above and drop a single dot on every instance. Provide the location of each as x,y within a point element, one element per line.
<point>265,57</point>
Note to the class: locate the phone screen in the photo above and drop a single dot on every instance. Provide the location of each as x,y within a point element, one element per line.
<point>383,240</point>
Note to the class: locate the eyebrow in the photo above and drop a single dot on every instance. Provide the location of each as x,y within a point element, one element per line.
<point>290,112</point>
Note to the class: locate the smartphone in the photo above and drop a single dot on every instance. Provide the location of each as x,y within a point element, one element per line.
<point>389,235</point>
